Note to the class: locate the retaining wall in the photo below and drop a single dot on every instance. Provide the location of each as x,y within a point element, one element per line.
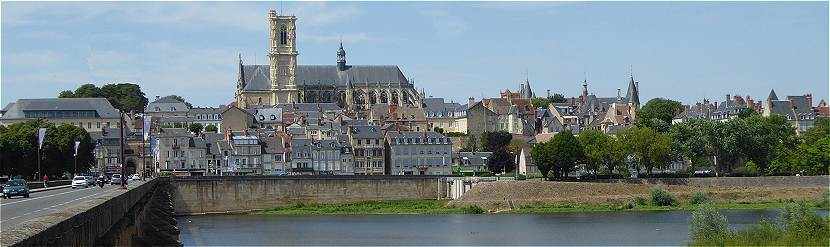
<point>204,195</point>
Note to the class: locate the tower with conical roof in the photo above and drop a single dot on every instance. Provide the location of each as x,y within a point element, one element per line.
<point>633,93</point>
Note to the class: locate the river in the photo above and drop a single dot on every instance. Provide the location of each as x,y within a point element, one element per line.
<point>603,228</point>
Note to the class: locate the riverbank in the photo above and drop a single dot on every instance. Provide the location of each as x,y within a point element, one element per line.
<point>583,196</point>
<point>446,207</point>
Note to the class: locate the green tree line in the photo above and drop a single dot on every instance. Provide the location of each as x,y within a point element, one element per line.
<point>126,97</point>
<point>748,145</point>
<point>19,147</point>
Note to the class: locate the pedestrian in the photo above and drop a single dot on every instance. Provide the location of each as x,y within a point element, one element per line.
<point>45,181</point>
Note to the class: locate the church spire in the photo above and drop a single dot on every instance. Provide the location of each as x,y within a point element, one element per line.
<point>633,94</point>
<point>341,58</point>
<point>241,80</point>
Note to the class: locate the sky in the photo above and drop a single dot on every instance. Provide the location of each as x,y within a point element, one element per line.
<point>682,51</point>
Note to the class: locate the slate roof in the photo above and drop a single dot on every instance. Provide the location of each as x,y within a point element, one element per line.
<point>365,131</point>
<point>437,107</point>
<point>167,99</point>
<point>416,134</point>
<point>473,158</point>
<point>308,107</point>
<point>100,105</point>
<point>257,77</point>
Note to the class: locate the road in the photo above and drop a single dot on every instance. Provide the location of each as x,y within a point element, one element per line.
<point>19,209</point>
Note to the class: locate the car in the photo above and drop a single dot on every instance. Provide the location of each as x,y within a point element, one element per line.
<point>16,187</point>
<point>80,181</point>
<point>135,177</point>
<point>90,180</point>
<point>115,179</point>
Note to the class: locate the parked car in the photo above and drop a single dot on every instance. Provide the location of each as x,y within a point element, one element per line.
<point>135,177</point>
<point>80,181</point>
<point>90,180</point>
<point>115,179</point>
<point>15,187</point>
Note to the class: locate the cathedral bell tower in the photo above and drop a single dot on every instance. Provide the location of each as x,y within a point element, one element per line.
<point>341,58</point>
<point>282,55</point>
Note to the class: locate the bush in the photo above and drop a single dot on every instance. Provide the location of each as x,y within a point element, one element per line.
<point>708,226</point>
<point>699,198</point>
<point>660,197</point>
<point>640,201</point>
<point>473,209</point>
<point>521,177</point>
<point>803,224</point>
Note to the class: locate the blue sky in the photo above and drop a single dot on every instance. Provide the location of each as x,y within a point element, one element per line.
<point>683,51</point>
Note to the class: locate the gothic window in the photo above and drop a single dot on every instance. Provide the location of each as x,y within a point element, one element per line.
<point>259,100</point>
<point>283,36</point>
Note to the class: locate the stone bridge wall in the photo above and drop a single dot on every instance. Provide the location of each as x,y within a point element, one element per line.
<point>204,195</point>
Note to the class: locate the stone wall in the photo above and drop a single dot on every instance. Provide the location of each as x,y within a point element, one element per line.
<point>204,195</point>
<point>772,181</point>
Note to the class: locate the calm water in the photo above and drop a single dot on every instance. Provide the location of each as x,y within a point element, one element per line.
<point>611,228</point>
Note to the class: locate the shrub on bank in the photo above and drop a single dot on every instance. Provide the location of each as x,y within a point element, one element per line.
<point>708,226</point>
<point>699,197</point>
<point>473,209</point>
<point>640,201</point>
<point>799,226</point>
<point>661,197</point>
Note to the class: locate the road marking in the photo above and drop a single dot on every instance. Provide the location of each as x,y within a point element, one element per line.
<point>57,205</point>
<point>26,200</point>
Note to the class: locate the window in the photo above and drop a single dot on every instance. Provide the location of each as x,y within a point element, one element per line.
<point>98,125</point>
<point>283,36</point>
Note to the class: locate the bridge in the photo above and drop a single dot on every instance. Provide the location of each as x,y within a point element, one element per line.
<point>144,214</point>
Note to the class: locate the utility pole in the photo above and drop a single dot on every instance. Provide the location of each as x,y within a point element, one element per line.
<point>121,144</point>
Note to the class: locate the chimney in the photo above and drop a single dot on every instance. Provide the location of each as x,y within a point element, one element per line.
<point>471,101</point>
<point>548,93</point>
<point>809,98</point>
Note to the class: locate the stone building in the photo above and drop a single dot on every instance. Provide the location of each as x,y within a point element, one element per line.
<point>418,153</point>
<point>181,152</point>
<point>354,88</point>
<point>449,116</point>
<point>367,142</point>
<point>321,157</point>
<point>91,114</point>
<point>797,109</point>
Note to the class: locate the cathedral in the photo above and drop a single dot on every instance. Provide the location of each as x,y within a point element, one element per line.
<point>355,88</point>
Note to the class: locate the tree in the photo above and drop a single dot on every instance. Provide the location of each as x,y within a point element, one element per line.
<point>500,161</point>
<point>543,157</point>
<point>210,128</point>
<point>18,149</point>
<point>497,142</point>
<point>658,113</point>
<point>600,151</point>
<point>650,148</point>
<point>196,128</point>
<point>126,97</point>
<point>558,98</point>
<point>543,102</point>
<point>493,141</point>
<point>438,129</point>
<point>566,151</point>
<point>746,112</point>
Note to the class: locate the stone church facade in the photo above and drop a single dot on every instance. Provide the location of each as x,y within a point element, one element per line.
<point>354,88</point>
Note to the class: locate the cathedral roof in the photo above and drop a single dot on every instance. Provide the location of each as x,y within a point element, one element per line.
<point>257,76</point>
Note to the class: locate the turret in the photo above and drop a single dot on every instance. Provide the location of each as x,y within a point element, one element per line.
<point>341,58</point>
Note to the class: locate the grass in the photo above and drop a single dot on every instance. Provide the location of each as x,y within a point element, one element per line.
<point>798,225</point>
<point>375,207</point>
